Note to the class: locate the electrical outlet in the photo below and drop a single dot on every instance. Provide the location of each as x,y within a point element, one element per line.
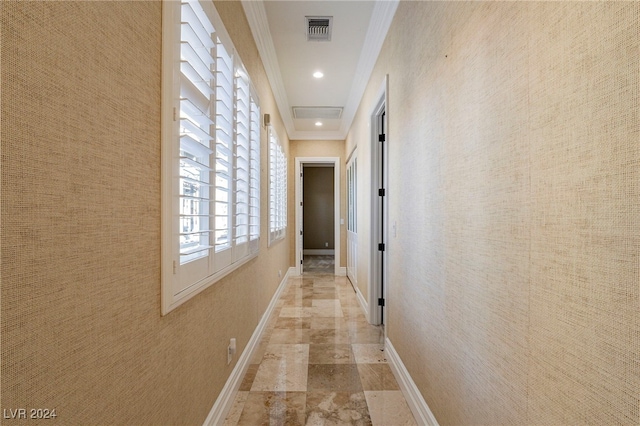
<point>231,350</point>
<point>279,273</point>
<point>326,244</point>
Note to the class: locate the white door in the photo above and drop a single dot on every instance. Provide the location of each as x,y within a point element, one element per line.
<point>381,212</point>
<point>352,219</point>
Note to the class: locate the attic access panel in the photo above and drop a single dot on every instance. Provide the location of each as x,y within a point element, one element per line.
<point>317,112</point>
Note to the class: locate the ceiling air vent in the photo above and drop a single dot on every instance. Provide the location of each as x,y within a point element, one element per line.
<point>317,112</point>
<point>319,28</point>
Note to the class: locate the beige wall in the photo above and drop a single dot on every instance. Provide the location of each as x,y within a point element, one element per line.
<point>325,148</point>
<point>318,208</point>
<point>81,325</point>
<point>514,292</point>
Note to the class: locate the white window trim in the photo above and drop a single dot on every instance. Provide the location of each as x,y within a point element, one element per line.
<point>171,292</point>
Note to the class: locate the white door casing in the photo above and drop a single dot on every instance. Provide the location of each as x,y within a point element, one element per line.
<point>300,162</point>
<point>352,219</point>
<point>378,271</point>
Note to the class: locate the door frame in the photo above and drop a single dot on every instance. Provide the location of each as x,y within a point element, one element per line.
<point>300,162</point>
<point>352,200</point>
<point>377,287</point>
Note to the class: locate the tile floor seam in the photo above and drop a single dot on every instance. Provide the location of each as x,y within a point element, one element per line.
<point>319,362</point>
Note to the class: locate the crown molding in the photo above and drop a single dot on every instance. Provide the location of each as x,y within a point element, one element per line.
<point>257,18</point>
<point>381,18</point>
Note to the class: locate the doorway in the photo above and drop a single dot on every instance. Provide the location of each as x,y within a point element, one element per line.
<point>318,215</point>
<point>379,209</point>
<point>352,219</point>
<point>318,239</point>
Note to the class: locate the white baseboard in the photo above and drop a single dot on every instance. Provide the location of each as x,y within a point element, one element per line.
<point>319,252</point>
<point>293,272</point>
<point>341,271</point>
<point>223,404</point>
<point>363,303</point>
<point>416,402</point>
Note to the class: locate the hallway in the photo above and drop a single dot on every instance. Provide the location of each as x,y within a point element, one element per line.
<point>319,362</point>
<point>150,200</point>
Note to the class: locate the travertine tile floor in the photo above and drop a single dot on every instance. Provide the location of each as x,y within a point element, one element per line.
<point>319,363</point>
<point>318,264</point>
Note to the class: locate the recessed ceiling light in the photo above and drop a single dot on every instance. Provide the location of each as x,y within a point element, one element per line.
<point>318,74</point>
<point>318,123</point>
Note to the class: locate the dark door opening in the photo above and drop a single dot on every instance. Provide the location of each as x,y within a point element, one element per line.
<point>318,217</point>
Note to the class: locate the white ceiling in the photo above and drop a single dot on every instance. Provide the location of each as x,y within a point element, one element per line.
<point>358,31</point>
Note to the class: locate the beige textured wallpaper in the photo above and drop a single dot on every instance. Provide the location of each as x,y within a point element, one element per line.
<point>80,231</point>
<point>324,148</point>
<point>514,139</point>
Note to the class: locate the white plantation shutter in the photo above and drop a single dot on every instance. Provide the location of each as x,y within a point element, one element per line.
<point>254,180</point>
<point>209,147</point>
<point>197,144</point>
<point>273,148</point>
<point>282,191</point>
<point>224,157</point>
<point>242,162</point>
<point>277,189</point>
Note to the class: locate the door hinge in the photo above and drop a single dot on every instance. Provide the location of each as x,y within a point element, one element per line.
<point>381,301</point>
<point>381,192</point>
<point>175,267</point>
<point>175,114</point>
<point>381,247</point>
<point>300,203</point>
<point>301,261</point>
<point>301,232</point>
<point>381,137</point>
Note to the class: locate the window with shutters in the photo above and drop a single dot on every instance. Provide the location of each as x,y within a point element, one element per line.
<point>210,154</point>
<point>277,189</point>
